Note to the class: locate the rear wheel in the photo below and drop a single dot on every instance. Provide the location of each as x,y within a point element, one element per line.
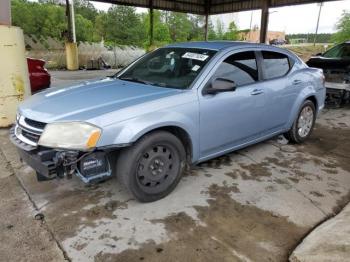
<point>153,166</point>
<point>303,124</point>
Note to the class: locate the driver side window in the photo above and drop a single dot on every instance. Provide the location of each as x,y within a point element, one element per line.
<point>240,68</point>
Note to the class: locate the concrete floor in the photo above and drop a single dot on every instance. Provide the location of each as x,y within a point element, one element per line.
<point>256,204</point>
<point>63,78</point>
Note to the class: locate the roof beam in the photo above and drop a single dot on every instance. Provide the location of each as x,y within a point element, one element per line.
<point>264,21</point>
<point>215,6</point>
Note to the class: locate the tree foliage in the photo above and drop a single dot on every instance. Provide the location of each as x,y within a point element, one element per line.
<point>232,32</point>
<point>38,19</point>
<point>119,25</point>
<point>343,27</point>
<point>123,26</point>
<point>309,38</point>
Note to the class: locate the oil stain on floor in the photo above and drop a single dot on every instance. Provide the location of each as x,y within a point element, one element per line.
<point>232,232</point>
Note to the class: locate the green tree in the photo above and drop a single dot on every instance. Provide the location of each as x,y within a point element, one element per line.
<point>197,27</point>
<point>179,27</point>
<point>100,30</point>
<point>219,30</point>
<point>343,27</point>
<point>211,31</point>
<point>53,21</point>
<point>232,33</point>
<point>39,19</point>
<point>161,34</point>
<point>85,9</point>
<point>123,26</point>
<point>84,29</point>
<point>309,38</point>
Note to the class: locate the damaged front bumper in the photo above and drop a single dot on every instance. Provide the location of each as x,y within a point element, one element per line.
<point>51,163</point>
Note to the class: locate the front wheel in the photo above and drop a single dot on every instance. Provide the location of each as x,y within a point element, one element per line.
<point>303,124</point>
<point>153,166</point>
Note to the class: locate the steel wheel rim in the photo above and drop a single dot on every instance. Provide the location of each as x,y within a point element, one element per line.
<point>157,168</point>
<point>305,121</point>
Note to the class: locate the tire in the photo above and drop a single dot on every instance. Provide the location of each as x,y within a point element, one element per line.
<point>153,166</point>
<point>303,124</point>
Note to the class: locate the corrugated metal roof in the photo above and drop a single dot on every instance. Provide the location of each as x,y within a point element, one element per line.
<point>213,45</point>
<point>210,7</point>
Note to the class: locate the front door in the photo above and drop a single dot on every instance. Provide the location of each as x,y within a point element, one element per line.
<point>230,119</point>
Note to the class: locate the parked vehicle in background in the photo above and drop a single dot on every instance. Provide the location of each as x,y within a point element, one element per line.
<point>178,105</point>
<point>335,64</point>
<point>39,77</point>
<point>277,42</point>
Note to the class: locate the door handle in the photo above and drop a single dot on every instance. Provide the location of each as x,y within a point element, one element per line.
<point>297,82</point>
<point>256,92</point>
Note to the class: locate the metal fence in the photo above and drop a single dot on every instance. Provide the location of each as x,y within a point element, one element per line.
<point>52,51</point>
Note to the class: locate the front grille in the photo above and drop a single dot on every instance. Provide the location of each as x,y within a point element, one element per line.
<point>31,136</point>
<point>29,131</point>
<point>34,123</point>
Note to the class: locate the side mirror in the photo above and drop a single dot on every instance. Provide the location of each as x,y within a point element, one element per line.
<point>219,85</point>
<point>318,54</point>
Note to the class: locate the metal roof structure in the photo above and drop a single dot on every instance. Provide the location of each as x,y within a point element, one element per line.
<point>209,7</point>
<point>213,7</point>
<point>216,45</point>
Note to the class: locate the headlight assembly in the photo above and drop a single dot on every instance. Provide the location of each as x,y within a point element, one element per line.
<point>70,135</point>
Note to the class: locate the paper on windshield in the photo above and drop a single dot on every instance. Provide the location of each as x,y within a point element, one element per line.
<point>195,68</point>
<point>195,56</point>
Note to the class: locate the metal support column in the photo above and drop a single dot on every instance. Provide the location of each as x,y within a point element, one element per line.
<point>318,22</point>
<point>264,21</point>
<point>5,12</point>
<point>207,6</point>
<point>151,24</point>
<point>206,27</point>
<point>71,44</point>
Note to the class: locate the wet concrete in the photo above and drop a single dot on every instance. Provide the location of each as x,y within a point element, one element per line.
<point>255,204</point>
<point>63,78</point>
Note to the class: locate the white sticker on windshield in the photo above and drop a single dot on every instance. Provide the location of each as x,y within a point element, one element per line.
<point>195,56</point>
<point>195,68</point>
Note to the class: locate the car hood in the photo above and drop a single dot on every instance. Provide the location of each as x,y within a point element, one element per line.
<point>328,63</point>
<point>90,99</point>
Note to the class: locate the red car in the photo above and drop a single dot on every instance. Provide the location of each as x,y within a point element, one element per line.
<point>38,75</point>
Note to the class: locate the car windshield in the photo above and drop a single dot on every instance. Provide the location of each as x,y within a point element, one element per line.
<point>168,67</point>
<point>339,51</point>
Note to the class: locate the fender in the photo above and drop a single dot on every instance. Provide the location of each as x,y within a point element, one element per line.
<point>307,92</point>
<point>129,131</point>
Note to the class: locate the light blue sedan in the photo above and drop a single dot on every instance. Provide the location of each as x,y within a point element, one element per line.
<point>179,105</point>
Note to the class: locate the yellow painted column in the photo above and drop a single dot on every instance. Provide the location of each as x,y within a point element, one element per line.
<point>72,56</point>
<point>14,79</point>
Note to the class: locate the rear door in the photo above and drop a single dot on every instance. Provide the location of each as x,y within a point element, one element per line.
<point>279,91</point>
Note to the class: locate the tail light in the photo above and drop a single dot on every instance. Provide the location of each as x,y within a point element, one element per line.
<point>35,64</point>
<point>323,78</point>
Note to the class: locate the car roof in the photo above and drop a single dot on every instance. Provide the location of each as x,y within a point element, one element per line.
<point>214,45</point>
<point>222,45</point>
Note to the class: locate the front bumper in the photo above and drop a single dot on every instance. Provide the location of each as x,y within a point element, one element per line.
<point>51,163</point>
<point>42,162</point>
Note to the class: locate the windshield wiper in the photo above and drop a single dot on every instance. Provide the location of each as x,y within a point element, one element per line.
<point>134,79</point>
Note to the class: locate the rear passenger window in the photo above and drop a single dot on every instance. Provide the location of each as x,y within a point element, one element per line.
<point>274,64</point>
<point>240,68</point>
